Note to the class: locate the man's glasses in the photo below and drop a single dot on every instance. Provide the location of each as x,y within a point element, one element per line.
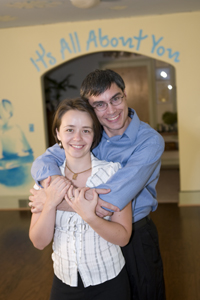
<point>101,105</point>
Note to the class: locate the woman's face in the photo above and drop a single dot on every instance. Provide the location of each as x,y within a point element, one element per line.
<point>76,133</point>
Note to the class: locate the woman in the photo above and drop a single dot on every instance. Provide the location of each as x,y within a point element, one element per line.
<point>88,263</point>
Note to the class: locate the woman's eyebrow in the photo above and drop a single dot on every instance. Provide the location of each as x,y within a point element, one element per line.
<point>87,127</point>
<point>69,126</point>
<point>75,126</point>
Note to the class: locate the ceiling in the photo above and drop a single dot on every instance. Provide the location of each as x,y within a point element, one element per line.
<point>16,13</point>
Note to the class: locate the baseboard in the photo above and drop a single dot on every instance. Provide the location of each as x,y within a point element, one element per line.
<point>14,202</point>
<point>189,198</point>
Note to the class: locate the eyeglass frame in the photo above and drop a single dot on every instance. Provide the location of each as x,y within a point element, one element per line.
<point>110,101</point>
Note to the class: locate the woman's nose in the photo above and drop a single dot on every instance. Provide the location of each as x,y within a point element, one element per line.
<point>77,135</point>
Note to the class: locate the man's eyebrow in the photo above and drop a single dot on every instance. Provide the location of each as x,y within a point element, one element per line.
<point>99,101</point>
<point>119,93</point>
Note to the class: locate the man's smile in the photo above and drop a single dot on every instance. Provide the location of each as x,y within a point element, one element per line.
<point>113,118</point>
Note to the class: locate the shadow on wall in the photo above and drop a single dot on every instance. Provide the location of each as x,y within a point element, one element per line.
<point>16,154</point>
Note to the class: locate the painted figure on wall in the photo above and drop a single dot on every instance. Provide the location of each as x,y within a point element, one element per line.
<point>16,154</point>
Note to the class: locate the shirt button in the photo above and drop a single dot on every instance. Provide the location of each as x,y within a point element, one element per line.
<point>108,141</point>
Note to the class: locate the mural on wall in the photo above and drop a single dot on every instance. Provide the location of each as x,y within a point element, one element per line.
<point>16,154</point>
<point>98,39</point>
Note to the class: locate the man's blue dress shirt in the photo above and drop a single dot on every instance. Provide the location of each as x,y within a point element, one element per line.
<point>138,150</point>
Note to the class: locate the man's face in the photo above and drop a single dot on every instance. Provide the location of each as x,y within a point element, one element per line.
<point>114,119</point>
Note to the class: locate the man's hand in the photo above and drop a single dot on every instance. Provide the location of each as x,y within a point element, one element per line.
<point>101,212</point>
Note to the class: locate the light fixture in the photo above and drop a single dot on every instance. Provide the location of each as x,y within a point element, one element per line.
<point>85,3</point>
<point>163,74</point>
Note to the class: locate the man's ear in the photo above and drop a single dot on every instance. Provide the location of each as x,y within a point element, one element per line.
<point>125,93</point>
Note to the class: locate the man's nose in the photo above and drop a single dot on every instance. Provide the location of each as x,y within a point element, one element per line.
<point>111,108</point>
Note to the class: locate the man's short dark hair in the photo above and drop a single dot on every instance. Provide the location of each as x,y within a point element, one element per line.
<point>98,81</point>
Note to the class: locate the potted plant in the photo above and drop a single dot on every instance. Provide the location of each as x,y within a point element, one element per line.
<point>170,118</point>
<point>54,89</point>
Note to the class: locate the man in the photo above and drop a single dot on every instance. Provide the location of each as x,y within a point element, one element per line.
<point>138,148</point>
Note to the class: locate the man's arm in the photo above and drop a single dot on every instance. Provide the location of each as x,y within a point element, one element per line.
<point>142,167</point>
<point>48,164</point>
<point>129,181</point>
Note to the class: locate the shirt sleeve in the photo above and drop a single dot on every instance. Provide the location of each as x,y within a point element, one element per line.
<point>141,169</point>
<point>48,163</point>
<point>102,172</point>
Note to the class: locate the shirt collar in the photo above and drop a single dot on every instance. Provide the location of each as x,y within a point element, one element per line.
<point>131,131</point>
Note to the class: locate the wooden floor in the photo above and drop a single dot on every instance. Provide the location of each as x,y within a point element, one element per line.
<point>26,273</point>
<point>168,186</point>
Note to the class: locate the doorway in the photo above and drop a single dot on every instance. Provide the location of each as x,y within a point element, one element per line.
<point>144,86</point>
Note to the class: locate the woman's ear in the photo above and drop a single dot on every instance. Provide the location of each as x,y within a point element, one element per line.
<point>58,135</point>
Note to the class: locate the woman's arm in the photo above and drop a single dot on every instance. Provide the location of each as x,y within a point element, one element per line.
<point>42,224</point>
<point>116,231</point>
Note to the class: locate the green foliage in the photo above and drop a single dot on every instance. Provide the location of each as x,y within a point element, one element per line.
<point>169,118</point>
<point>54,89</point>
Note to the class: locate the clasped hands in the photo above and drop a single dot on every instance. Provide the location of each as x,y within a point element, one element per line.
<point>61,192</point>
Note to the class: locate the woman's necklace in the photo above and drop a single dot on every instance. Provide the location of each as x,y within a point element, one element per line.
<point>76,174</point>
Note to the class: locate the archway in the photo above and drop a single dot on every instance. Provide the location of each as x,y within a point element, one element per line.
<point>153,96</point>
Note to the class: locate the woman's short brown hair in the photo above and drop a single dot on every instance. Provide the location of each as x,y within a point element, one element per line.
<point>80,105</point>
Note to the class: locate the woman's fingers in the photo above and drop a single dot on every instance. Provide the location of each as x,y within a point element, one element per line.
<point>47,182</point>
<point>96,196</point>
<point>80,193</point>
<point>77,192</point>
<point>70,193</point>
<point>74,195</point>
<point>60,183</point>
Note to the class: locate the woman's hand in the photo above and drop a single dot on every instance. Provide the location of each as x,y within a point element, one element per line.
<point>85,208</point>
<point>42,224</point>
<point>37,200</point>
<point>38,197</point>
<point>55,192</point>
